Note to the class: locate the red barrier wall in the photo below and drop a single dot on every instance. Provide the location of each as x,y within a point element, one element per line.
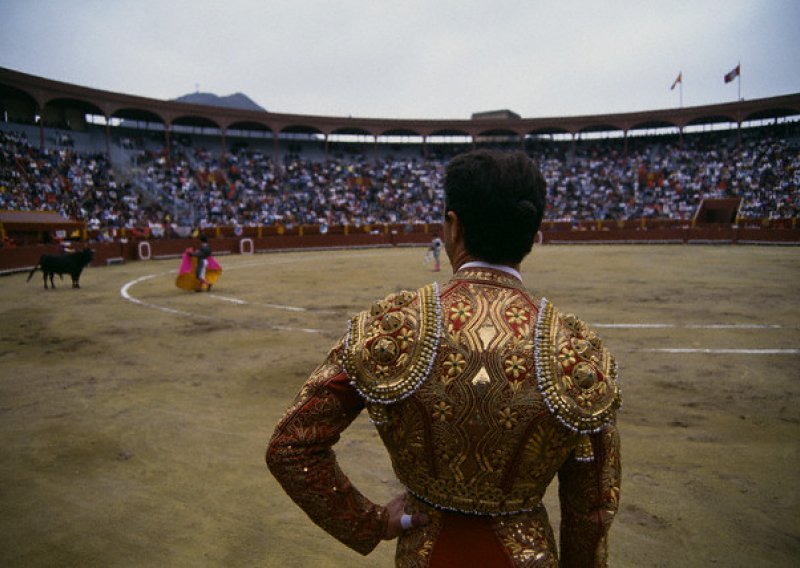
<point>22,258</point>
<point>698,235</point>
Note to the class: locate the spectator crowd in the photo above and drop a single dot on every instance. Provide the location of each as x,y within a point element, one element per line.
<point>592,180</point>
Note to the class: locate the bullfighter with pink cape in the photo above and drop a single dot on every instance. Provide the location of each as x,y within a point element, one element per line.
<point>187,273</point>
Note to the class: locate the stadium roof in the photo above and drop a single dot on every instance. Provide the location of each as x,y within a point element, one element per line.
<point>26,96</point>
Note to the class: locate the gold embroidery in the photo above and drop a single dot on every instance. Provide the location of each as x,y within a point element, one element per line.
<point>461,312</point>
<point>391,322</point>
<point>390,350</point>
<point>484,435</point>
<point>468,451</point>
<point>378,308</point>
<point>516,315</point>
<point>515,367</point>
<point>487,333</point>
<point>507,418</point>
<point>442,411</point>
<point>579,382</point>
<point>454,364</point>
<point>482,378</point>
<point>385,350</point>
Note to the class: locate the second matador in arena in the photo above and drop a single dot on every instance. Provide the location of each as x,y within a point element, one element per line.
<point>482,394</point>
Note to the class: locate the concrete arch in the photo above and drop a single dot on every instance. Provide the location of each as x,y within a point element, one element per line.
<point>248,126</point>
<point>353,131</point>
<point>712,119</point>
<point>139,115</point>
<point>69,113</point>
<point>547,131</point>
<point>400,132</point>
<point>450,132</point>
<point>499,138</point>
<point>650,124</point>
<point>17,105</point>
<point>499,132</point>
<point>599,127</point>
<point>776,112</point>
<point>195,121</point>
<point>301,129</point>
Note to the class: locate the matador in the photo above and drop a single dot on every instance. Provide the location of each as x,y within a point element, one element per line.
<point>482,392</point>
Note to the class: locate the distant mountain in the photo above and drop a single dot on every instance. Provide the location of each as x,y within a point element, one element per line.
<point>237,100</point>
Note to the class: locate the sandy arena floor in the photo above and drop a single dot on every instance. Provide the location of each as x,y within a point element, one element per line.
<point>133,416</point>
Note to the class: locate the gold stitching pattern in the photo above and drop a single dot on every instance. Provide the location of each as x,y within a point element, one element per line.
<point>578,380</point>
<point>381,357</point>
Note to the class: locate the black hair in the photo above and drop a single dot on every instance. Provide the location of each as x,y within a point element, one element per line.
<point>499,199</point>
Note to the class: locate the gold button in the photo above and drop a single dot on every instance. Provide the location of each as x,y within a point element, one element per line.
<point>584,375</point>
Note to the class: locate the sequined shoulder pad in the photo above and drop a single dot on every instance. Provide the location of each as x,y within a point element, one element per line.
<point>576,374</point>
<point>390,349</point>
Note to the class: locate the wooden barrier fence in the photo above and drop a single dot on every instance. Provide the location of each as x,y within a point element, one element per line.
<point>264,239</point>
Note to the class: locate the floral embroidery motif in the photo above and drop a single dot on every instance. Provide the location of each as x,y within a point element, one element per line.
<point>521,338</point>
<point>442,411</point>
<point>455,364</point>
<point>460,312</point>
<point>405,338</point>
<point>566,357</point>
<point>516,316</point>
<point>515,366</point>
<point>507,418</point>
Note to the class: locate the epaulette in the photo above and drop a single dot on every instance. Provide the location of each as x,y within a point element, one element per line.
<point>390,348</point>
<point>576,375</point>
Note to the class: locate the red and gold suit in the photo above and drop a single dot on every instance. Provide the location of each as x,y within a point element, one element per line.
<point>482,395</point>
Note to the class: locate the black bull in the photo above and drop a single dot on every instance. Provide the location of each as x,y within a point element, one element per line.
<point>71,263</point>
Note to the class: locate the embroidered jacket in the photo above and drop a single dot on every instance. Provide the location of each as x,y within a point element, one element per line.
<point>481,395</point>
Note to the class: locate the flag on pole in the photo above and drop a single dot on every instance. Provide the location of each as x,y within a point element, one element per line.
<point>732,74</point>
<point>678,79</point>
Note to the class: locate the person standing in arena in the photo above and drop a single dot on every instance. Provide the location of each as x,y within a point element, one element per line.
<point>202,254</point>
<point>206,270</point>
<point>436,251</point>
<point>482,395</point>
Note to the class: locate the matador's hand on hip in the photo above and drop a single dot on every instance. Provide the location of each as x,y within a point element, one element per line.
<point>399,520</point>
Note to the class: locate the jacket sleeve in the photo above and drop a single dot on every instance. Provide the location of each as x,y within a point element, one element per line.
<point>300,455</point>
<point>589,498</point>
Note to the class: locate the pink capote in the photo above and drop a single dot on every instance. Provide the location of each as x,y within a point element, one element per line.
<point>187,280</point>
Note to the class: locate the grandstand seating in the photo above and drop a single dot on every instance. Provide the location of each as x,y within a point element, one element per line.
<point>658,178</point>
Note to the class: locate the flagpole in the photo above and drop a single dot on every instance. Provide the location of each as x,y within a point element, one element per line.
<point>678,80</point>
<point>739,76</point>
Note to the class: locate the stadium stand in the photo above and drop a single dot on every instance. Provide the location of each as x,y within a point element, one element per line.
<point>149,177</point>
<point>657,180</point>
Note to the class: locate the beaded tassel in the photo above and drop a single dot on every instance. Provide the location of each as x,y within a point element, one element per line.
<point>584,451</point>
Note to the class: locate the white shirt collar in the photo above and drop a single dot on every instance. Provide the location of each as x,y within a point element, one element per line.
<point>500,267</point>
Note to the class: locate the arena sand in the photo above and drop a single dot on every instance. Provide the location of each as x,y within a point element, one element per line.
<point>133,433</point>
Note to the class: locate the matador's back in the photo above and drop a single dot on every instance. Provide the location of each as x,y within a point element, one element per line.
<point>482,395</point>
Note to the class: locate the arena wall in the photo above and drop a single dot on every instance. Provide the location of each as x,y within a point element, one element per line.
<point>22,259</point>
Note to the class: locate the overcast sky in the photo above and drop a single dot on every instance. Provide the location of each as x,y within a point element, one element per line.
<point>416,58</point>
